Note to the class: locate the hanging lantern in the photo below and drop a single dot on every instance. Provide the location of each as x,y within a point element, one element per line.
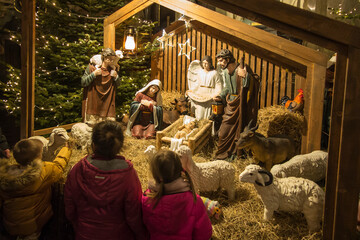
<point>130,42</point>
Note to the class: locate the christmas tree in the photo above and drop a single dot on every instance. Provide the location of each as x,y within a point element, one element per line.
<point>68,34</point>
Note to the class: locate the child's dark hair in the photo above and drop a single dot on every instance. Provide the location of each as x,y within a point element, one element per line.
<point>107,138</point>
<point>27,150</point>
<point>166,167</point>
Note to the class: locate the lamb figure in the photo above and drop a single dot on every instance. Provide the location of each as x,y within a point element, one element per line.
<point>57,139</point>
<point>310,166</point>
<point>286,194</point>
<point>208,176</point>
<point>81,132</point>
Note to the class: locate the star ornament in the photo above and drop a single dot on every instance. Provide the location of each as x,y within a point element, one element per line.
<point>186,48</point>
<point>165,36</point>
<point>186,19</point>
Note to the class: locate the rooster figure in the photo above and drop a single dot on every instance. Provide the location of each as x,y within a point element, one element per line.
<point>294,105</point>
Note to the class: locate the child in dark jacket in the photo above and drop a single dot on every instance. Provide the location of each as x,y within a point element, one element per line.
<point>25,188</point>
<point>103,191</point>
<point>171,209</point>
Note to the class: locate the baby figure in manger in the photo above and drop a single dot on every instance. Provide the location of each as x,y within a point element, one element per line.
<point>186,129</point>
<point>204,83</point>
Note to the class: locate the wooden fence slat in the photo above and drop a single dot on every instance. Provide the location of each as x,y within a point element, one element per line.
<point>193,43</point>
<point>179,59</point>
<point>170,69</point>
<point>276,86</point>
<point>289,85</point>
<point>252,62</point>
<point>175,53</point>
<point>247,58</point>
<point>203,45</point>
<point>269,89</point>
<point>213,51</point>
<point>208,46</point>
<point>283,83</point>
<point>198,45</point>
<point>183,66</point>
<point>263,83</point>
<point>258,70</point>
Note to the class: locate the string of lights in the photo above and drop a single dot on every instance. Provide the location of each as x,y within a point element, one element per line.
<point>62,11</point>
<point>352,14</point>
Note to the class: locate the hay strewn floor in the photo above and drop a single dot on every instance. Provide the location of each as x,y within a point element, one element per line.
<point>242,218</point>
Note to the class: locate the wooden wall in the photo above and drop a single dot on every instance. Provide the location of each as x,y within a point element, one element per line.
<point>171,69</point>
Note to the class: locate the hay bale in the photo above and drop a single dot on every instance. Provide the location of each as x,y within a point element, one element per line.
<point>168,98</point>
<point>275,120</point>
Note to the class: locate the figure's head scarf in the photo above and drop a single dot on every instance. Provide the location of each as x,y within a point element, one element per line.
<point>155,82</point>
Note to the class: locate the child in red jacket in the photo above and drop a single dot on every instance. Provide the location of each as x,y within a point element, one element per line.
<point>171,209</point>
<point>103,191</point>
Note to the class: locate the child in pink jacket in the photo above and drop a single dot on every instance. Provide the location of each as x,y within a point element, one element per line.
<point>171,209</point>
<point>103,191</point>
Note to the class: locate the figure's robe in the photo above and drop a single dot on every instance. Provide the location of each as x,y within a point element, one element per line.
<point>144,121</point>
<point>241,95</point>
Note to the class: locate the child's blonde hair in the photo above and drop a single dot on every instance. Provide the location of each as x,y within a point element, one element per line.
<point>166,167</point>
<point>27,150</point>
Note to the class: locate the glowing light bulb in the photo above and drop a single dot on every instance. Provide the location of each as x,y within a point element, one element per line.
<point>130,43</point>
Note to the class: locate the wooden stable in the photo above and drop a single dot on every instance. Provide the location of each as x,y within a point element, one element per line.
<point>343,179</point>
<point>266,53</point>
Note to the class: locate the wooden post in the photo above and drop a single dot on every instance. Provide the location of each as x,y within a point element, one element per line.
<point>109,36</point>
<point>314,101</point>
<point>27,68</point>
<point>159,136</point>
<point>334,143</point>
<point>348,177</point>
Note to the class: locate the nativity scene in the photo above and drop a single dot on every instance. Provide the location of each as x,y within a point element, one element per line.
<point>220,138</point>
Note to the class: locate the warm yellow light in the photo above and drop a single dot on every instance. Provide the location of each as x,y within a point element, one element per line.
<point>130,43</point>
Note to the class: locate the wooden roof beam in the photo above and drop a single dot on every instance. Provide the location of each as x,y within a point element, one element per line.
<point>283,27</point>
<point>126,12</point>
<point>292,20</point>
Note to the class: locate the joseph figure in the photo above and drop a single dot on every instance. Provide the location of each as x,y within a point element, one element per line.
<point>99,83</point>
<point>240,95</point>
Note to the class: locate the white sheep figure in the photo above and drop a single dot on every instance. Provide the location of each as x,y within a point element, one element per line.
<point>286,194</point>
<point>310,166</point>
<point>57,139</point>
<point>208,176</point>
<point>96,60</point>
<point>81,132</point>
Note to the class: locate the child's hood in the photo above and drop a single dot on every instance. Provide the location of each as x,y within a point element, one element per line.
<point>14,177</point>
<point>102,187</point>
